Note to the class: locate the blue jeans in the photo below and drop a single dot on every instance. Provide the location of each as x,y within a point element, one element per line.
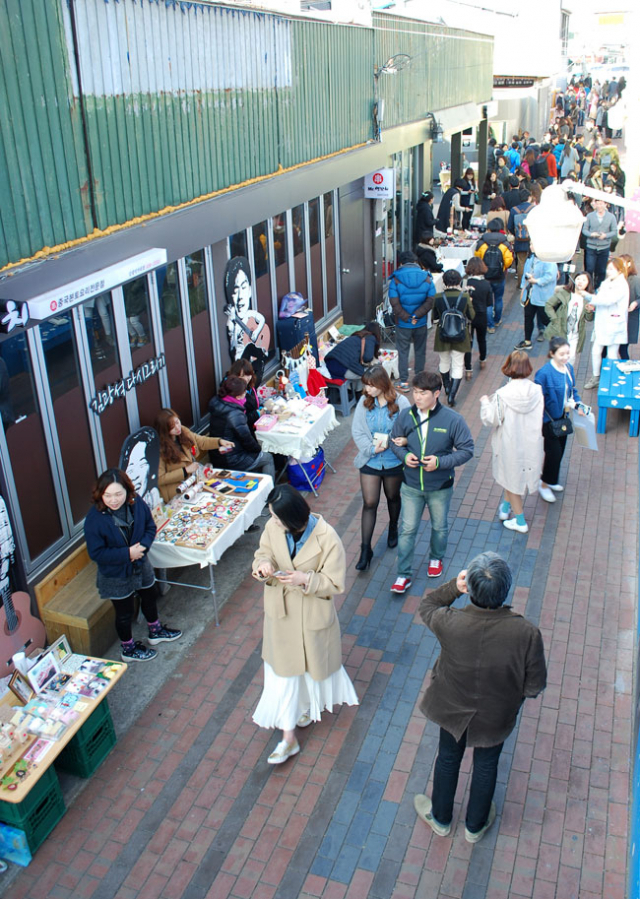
<point>413,503</point>
<point>494,313</point>
<point>445,780</point>
<point>595,262</point>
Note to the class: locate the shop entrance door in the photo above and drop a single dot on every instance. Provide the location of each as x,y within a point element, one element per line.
<point>355,253</point>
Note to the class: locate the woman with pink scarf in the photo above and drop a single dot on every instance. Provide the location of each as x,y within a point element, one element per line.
<point>228,420</point>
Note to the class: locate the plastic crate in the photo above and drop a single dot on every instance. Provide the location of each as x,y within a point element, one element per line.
<point>39,811</point>
<point>91,745</point>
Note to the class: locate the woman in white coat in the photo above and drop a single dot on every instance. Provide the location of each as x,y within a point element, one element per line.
<point>515,413</point>
<point>611,303</point>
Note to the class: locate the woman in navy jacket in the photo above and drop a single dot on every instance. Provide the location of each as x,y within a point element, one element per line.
<point>119,530</point>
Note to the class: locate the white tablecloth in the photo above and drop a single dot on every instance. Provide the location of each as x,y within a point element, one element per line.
<point>452,252</point>
<point>303,444</point>
<point>169,555</point>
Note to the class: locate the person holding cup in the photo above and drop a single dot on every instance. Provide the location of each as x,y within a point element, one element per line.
<point>373,421</point>
<point>178,450</point>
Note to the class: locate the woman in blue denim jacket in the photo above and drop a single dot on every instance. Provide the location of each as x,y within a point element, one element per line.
<point>373,421</point>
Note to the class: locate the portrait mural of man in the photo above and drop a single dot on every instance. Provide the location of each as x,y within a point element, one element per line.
<point>249,335</point>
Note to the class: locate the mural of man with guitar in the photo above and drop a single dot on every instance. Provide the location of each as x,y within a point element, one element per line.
<point>249,335</point>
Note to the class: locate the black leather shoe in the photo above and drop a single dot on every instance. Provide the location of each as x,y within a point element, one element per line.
<point>366,554</point>
<point>392,537</point>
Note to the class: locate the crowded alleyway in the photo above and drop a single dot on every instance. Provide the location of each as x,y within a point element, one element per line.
<point>186,806</point>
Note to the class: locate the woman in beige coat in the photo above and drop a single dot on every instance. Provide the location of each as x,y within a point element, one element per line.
<point>301,561</point>
<point>515,413</point>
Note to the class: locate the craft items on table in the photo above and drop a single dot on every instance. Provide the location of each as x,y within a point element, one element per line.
<point>198,525</point>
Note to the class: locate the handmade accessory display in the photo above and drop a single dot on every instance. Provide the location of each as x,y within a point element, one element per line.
<point>199,525</point>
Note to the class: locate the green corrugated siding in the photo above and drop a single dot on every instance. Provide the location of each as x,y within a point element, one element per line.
<point>448,67</point>
<point>43,173</point>
<point>181,101</point>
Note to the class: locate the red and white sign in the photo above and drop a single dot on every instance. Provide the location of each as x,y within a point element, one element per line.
<point>380,185</point>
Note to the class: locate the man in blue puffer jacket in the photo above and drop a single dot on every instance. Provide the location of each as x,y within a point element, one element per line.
<point>411,292</point>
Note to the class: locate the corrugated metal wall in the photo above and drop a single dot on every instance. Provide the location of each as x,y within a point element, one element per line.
<point>177,100</point>
<point>448,67</point>
<point>43,173</point>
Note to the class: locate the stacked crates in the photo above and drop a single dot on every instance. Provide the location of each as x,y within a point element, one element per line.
<point>85,752</point>
<point>39,811</point>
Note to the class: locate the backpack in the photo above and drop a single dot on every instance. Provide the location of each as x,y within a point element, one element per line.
<point>542,167</point>
<point>520,229</point>
<point>453,323</point>
<point>493,260</point>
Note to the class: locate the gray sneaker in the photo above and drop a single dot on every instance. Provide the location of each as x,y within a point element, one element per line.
<point>471,837</point>
<point>137,653</point>
<point>591,383</point>
<point>422,805</point>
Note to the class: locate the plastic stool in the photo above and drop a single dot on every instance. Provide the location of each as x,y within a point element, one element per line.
<point>346,398</point>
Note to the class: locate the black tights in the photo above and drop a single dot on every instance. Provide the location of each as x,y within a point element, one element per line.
<point>124,610</point>
<point>370,485</point>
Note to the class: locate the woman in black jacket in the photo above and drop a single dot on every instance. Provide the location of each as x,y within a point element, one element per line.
<point>425,219</point>
<point>481,297</point>
<point>242,368</point>
<point>119,530</point>
<point>228,419</point>
<point>349,357</point>
<point>426,253</point>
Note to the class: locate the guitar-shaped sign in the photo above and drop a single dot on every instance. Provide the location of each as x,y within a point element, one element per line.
<point>18,628</point>
<point>263,339</point>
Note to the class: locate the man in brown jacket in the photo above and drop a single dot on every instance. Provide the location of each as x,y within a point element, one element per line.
<point>491,660</point>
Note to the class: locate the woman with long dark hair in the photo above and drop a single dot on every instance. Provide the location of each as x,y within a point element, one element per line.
<point>119,530</point>
<point>491,188</point>
<point>301,562</point>
<point>373,421</point>
<point>243,369</point>
<point>468,197</point>
<point>178,450</point>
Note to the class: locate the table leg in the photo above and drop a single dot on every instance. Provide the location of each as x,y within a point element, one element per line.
<point>329,465</point>
<point>212,587</point>
<point>634,423</point>
<point>602,420</point>
<point>309,481</point>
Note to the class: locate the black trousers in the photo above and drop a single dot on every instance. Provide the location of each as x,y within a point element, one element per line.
<point>554,448</point>
<point>125,608</point>
<point>531,313</point>
<point>445,780</point>
<point>480,331</point>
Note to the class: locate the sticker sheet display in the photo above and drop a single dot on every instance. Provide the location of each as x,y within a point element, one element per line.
<point>200,525</point>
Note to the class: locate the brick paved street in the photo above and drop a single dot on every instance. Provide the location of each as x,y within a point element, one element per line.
<point>186,805</point>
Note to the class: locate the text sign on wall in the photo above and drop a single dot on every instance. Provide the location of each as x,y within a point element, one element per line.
<point>512,81</point>
<point>48,304</point>
<point>380,185</point>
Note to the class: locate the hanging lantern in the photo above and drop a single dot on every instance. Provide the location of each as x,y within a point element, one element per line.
<point>554,226</point>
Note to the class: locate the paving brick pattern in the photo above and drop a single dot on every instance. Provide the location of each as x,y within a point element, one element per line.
<point>186,806</point>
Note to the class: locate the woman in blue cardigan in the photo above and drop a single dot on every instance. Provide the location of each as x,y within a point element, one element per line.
<point>558,383</point>
<point>119,530</point>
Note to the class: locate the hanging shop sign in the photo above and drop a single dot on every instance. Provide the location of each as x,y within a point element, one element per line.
<point>380,185</point>
<point>62,298</point>
<point>104,398</point>
<point>512,81</point>
<point>13,314</point>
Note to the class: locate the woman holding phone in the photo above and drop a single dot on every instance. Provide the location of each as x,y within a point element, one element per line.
<point>373,420</point>
<point>301,562</point>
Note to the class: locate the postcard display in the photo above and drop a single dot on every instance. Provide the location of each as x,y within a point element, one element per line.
<point>56,712</point>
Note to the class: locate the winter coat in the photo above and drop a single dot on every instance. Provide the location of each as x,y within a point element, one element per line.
<point>512,197</point>
<point>107,545</point>
<point>501,214</point>
<point>558,390</point>
<point>546,275</point>
<point>443,219</point>
<point>425,219</point>
<point>515,413</point>
<point>363,436</point>
<point>481,297</point>
<point>556,310</point>
<point>439,308</point>
<point>350,355</point>
<point>568,163</point>
<point>410,292</point>
<point>301,632</point>
<point>229,421</point>
<point>612,308</point>
<point>428,258</point>
<point>499,240</point>
<point>170,474</point>
<point>445,435</point>
<point>490,661</point>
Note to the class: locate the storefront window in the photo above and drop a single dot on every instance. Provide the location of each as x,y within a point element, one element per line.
<point>174,345</point>
<point>201,329</point>
<point>330,251</point>
<point>70,410</point>
<point>136,305</point>
<point>27,446</point>
<point>238,245</point>
<point>299,253</point>
<point>280,252</point>
<point>316,259</point>
<point>262,288</point>
<point>98,319</point>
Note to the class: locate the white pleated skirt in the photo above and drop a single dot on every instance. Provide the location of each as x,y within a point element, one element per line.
<point>285,699</point>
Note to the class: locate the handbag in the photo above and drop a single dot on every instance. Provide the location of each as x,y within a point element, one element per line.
<point>561,427</point>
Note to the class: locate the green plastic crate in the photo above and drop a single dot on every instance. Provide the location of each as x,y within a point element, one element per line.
<point>39,811</point>
<point>91,745</point>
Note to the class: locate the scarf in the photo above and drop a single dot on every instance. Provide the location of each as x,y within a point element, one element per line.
<point>238,400</point>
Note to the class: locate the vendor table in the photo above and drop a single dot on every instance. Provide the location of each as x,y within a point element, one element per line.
<point>303,442</point>
<point>618,390</point>
<point>171,555</point>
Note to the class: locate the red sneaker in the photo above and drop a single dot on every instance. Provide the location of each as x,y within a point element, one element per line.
<point>435,568</point>
<point>401,585</point>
